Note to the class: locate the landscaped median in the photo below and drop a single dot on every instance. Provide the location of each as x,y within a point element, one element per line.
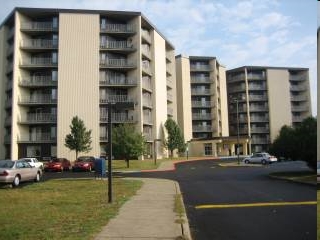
<point>307,177</point>
<point>61,209</point>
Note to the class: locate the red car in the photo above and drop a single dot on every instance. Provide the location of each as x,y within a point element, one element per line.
<point>85,163</point>
<point>58,164</point>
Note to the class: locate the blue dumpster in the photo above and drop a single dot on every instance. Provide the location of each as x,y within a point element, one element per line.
<point>100,167</point>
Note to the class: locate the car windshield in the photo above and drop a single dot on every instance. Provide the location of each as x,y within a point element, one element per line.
<point>6,164</point>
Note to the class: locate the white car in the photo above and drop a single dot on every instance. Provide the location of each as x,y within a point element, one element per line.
<point>33,162</point>
<point>262,158</point>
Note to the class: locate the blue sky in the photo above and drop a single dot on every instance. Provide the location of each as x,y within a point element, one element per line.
<point>251,32</point>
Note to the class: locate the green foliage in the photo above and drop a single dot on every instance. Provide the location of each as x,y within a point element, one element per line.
<point>79,139</point>
<point>299,143</point>
<point>175,137</point>
<point>127,143</point>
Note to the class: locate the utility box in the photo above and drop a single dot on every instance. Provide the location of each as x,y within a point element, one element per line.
<point>100,167</point>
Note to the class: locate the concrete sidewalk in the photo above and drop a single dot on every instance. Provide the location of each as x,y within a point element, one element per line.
<point>149,215</point>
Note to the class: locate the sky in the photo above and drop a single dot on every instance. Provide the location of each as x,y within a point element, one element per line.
<point>278,33</point>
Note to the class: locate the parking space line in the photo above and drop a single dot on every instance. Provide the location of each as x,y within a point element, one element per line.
<point>246,205</point>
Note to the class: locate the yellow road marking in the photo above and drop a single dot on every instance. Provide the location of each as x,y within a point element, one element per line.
<point>243,205</point>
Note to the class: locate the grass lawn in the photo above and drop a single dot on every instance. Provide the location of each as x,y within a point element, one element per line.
<point>61,209</point>
<point>301,176</point>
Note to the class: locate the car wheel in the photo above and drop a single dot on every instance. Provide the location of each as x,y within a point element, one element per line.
<point>264,162</point>
<point>246,161</point>
<point>16,181</point>
<point>37,179</point>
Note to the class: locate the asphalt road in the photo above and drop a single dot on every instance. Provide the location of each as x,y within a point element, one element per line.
<point>228,203</point>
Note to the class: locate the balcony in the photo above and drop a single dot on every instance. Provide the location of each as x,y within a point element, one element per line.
<point>146,69</point>
<point>8,103</point>
<point>297,78</point>
<point>259,119</point>
<point>41,44</point>
<point>201,116</point>
<point>118,28</point>
<point>147,101</point>
<point>260,141</point>
<point>146,84</point>
<point>9,85</point>
<point>145,50</point>
<point>146,35</point>
<point>37,99</point>
<point>44,137</point>
<point>258,98</point>
<point>39,118</point>
<point>118,82</point>
<point>298,119</point>
<point>298,88</point>
<point>257,87</point>
<point>118,46</point>
<point>300,108</point>
<point>198,79</point>
<point>39,62</point>
<point>8,121</point>
<point>260,130</point>
<point>116,63</point>
<point>169,111</point>
<point>38,26</point>
<point>147,119</point>
<point>236,78</point>
<point>10,50</point>
<point>7,139</point>
<point>195,91</point>
<point>255,76</point>
<point>201,104</point>
<point>38,81</point>
<point>237,89</point>
<point>258,108</point>
<point>298,98</point>
<point>147,133</point>
<point>169,82</point>
<point>169,97</point>
<point>200,68</point>
<point>199,128</point>
<point>103,138</point>
<point>116,99</point>
<point>117,118</point>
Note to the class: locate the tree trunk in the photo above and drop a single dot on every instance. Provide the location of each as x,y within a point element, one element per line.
<point>76,155</point>
<point>171,154</point>
<point>128,163</point>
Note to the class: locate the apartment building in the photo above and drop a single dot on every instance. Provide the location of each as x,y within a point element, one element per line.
<point>202,105</point>
<point>267,99</point>
<point>59,63</point>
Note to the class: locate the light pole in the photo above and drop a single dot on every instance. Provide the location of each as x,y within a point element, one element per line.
<point>110,104</point>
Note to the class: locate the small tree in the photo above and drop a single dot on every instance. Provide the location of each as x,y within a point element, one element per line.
<point>79,139</point>
<point>298,143</point>
<point>127,143</point>
<point>175,137</point>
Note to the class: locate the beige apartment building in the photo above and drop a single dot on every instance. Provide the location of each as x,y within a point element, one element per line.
<point>267,98</point>
<point>202,106</point>
<point>58,63</point>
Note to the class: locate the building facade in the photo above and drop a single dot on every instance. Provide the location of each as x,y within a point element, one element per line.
<point>59,63</point>
<point>267,99</point>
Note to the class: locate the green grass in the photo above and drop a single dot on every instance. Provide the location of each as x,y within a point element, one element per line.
<point>301,176</point>
<point>61,209</point>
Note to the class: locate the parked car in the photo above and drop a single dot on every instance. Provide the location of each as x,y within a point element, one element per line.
<point>33,162</point>
<point>263,158</point>
<point>18,171</point>
<point>84,163</point>
<point>58,164</point>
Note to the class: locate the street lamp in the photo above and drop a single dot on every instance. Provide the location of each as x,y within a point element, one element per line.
<point>188,149</point>
<point>155,150</point>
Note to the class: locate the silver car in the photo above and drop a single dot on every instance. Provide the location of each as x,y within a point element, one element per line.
<point>18,171</point>
<point>262,158</point>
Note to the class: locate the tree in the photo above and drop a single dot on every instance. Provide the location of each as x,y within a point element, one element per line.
<point>175,137</point>
<point>127,143</point>
<point>79,139</point>
<point>298,143</point>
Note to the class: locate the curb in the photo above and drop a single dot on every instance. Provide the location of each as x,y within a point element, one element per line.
<point>292,180</point>
<point>185,228</point>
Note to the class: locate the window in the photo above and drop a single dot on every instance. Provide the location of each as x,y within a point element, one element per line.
<point>208,149</point>
<point>54,75</point>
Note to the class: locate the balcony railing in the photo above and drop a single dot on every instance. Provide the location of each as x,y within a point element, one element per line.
<point>299,98</point>
<point>146,51</point>
<point>169,97</point>
<point>200,67</point>
<point>39,118</point>
<point>39,62</point>
<point>236,78</point>
<point>123,45</point>
<point>260,130</point>
<point>302,108</point>
<point>255,76</point>
<point>256,87</point>
<point>8,121</point>
<point>201,104</point>
<point>7,138</point>
<point>116,63</point>
<point>8,103</point>
<point>147,119</point>
<point>258,108</point>
<point>297,78</point>
<point>200,128</point>
<point>201,116</point>
<point>237,89</point>
<point>200,92</point>
<point>298,88</point>
<point>38,81</point>
<point>146,35</point>
<point>260,141</point>
<point>146,83</point>
<point>297,119</point>
<point>117,118</point>
<point>147,101</point>
<point>39,137</point>
<point>198,79</point>
<point>9,85</point>
<point>259,119</point>
<point>258,98</point>
<point>116,98</point>
<point>39,43</point>
<point>118,28</point>
<point>147,135</point>
<point>146,69</point>
<point>118,81</point>
<point>169,111</point>
<point>38,26</point>
<point>37,99</point>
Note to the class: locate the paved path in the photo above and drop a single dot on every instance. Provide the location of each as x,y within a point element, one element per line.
<point>148,215</point>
